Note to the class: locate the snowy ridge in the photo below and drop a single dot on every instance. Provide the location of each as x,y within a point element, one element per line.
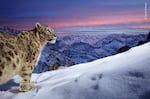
<point>122,76</point>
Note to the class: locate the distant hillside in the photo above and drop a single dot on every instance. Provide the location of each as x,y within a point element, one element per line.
<point>69,51</point>
<point>8,30</point>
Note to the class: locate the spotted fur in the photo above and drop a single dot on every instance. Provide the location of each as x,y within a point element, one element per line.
<point>19,53</point>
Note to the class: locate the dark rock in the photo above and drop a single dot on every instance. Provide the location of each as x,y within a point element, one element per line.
<point>123,49</point>
<point>140,43</point>
<point>54,67</point>
<point>148,37</point>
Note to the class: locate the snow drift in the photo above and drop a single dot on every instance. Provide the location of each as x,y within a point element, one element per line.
<point>122,76</point>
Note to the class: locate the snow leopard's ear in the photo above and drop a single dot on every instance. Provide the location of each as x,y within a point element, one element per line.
<point>37,25</point>
<point>37,28</point>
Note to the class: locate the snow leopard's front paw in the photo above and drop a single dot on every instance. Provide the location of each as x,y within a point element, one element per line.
<point>26,86</point>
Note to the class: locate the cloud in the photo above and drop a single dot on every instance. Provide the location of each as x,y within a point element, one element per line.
<point>74,14</point>
<point>59,23</point>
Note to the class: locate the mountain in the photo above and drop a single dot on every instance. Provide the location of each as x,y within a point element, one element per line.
<point>122,76</point>
<point>50,58</point>
<point>8,30</point>
<point>75,49</point>
<point>113,42</point>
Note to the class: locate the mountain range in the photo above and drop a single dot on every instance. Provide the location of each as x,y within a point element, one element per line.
<point>74,49</point>
<point>71,49</point>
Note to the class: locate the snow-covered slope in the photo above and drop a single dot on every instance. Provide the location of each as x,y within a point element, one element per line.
<point>122,76</point>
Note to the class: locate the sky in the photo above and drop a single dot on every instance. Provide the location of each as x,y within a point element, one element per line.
<point>86,16</point>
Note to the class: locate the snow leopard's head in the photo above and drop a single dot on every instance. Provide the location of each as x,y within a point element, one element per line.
<point>45,33</point>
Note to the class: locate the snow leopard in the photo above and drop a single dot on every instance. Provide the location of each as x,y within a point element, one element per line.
<point>19,53</point>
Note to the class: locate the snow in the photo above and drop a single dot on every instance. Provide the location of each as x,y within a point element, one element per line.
<point>122,76</point>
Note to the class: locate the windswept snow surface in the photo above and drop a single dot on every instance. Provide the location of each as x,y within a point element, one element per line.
<point>122,76</point>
